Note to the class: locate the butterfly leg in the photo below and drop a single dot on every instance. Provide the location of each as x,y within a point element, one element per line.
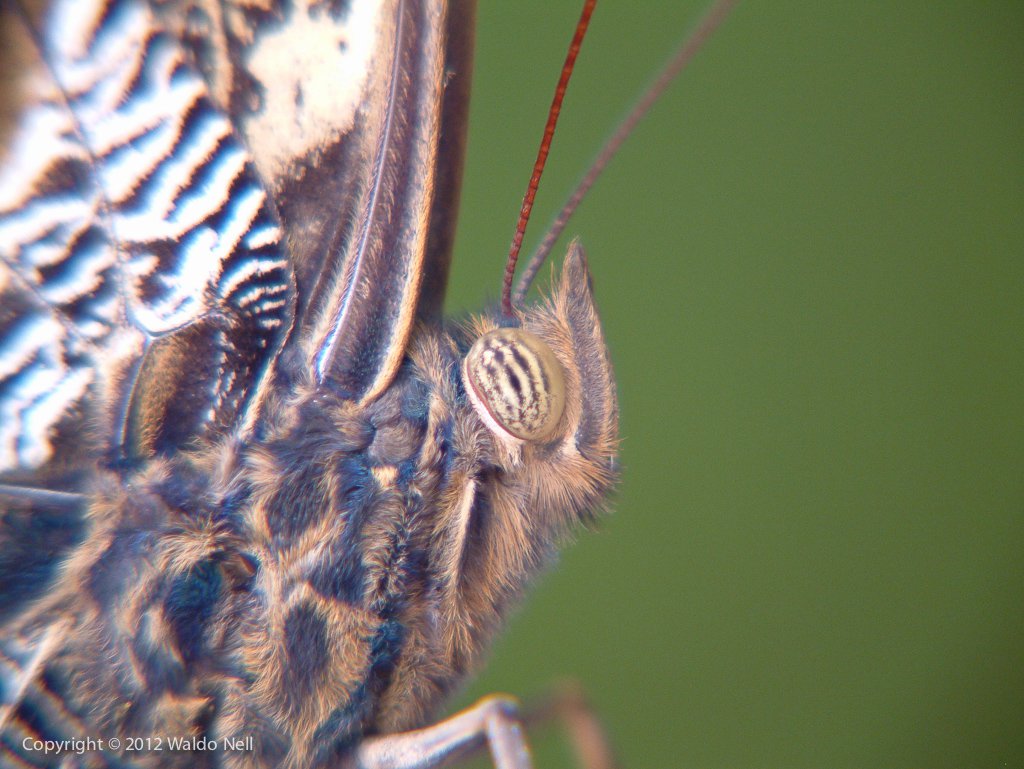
<point>568,708</point>
<point>492,722</point>
<point>32,494</point>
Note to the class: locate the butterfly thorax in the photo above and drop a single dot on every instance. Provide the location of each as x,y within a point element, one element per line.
<point>283,590</point>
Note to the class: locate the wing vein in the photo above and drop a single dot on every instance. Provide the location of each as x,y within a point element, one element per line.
<point>326,355</point>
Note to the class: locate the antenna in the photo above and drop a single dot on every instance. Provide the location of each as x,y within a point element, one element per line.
<point>682,56</point>
<point>542,154</point>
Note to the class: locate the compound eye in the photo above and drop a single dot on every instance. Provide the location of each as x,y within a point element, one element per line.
<point>515,383</point>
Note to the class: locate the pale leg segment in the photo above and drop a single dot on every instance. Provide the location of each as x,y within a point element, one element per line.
<point>493,721</point>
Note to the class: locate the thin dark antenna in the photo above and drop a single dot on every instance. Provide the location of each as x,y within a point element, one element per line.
<point>542,155</point>
<point>676,63</point>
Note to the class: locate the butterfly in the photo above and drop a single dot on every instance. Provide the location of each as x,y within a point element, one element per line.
<point>261,505</point>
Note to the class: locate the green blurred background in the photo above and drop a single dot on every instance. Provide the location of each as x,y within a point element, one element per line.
<point>810,265</point>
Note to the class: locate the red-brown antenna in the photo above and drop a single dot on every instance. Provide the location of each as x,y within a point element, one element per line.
<point>715,15</point>
<point>542,155</point>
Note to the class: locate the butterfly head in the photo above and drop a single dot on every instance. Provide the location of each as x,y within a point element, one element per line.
<point>545,389</point>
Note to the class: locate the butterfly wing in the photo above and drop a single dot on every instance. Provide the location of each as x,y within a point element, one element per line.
<point>145,287</point>
<point>355,117</point>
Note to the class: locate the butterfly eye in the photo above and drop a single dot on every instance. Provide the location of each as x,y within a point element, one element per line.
<point>515,383</point>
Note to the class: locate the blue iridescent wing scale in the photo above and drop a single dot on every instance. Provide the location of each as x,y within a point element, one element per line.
<point>145,287</point>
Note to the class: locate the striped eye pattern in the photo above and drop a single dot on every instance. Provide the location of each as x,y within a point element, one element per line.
<point>515,383</point>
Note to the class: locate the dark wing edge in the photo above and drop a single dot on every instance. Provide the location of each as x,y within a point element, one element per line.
<point>402,247</point>
<point>460,34</point>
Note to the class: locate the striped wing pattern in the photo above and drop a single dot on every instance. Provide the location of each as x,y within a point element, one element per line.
<point>133,230</point>
<point>354,124</point>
